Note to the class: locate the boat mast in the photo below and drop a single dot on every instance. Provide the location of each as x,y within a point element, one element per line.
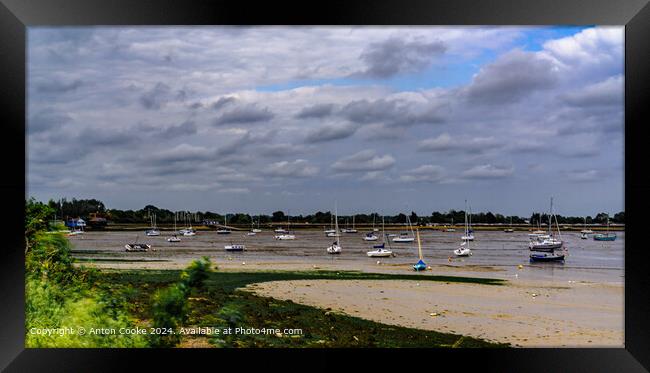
<point>336,214</point>
<point>419,244</point>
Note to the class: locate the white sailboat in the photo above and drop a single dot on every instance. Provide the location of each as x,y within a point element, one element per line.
<point>380,250</point>
<point>174,237</point>
<point>509,230</point>
<point>469,233</point>
<point>331,230</point>
<point>285,235</point>
<point>404,237</point>
<point>548,242</point>
<point>257,230</point>
<point>451,228</point>
<point>349,230</point>
<point>335,248</point>
<point>189,231</point>
<point>224,230</point>
<point>464,249</point>
<point>153,231</point>
<point>586,231</point>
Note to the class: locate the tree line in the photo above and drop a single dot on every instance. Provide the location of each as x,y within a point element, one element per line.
<point>83,208</point>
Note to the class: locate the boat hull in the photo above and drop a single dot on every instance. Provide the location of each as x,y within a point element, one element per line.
<point>398,239</point>
<point>604,238</point>
<point>379,254</point>
<point>546,258</point>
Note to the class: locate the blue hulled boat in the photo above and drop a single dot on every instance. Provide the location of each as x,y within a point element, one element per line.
<point>420,266</point>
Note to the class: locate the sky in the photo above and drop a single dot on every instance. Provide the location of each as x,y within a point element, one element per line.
<point>372,119</point>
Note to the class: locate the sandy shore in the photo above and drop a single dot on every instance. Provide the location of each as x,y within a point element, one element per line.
<point>528,314</point>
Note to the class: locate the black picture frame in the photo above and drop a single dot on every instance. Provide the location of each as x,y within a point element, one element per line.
<point>17,15</point>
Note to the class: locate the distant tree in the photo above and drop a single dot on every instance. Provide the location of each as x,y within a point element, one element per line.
<point>279,216</point>
<point>620,217</point>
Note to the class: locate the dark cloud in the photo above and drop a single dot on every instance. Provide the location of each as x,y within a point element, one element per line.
<point>57,86</point>
<point>47,119</point>
<point>223,101</point>
<point>245,114</point>
<point>394,113</point>
<point>331,132</point>
<point>184,129</point>
<point>316,111</point>
<point>156,97</point>
<point>397,56</point>
<point>511,78</point>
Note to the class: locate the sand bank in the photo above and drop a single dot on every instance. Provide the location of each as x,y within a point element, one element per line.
<point>528,314</point>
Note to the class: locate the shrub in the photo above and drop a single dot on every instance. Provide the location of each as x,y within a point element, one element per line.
<point>196,273</point>
<point>169,310</point>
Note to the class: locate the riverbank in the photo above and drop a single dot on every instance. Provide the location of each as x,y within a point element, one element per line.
<point>526,314</point>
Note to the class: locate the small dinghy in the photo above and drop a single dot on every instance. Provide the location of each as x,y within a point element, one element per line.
<point>332,234</point>
<point>130,247</point>
<point>174,238</point>
<point>251,233</point>
<point>547,257</point>
<point>379,252</point>
<point>189,233</point>
<point>370,237</point>
<point>285,237</point>
<point>235,247</point>
<point>583,236</point>
<point>463,250</point>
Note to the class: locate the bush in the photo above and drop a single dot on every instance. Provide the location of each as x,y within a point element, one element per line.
<point>196,273</point>
<point>169,310</point>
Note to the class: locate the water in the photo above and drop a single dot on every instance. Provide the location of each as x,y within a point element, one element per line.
<point>587,260</point>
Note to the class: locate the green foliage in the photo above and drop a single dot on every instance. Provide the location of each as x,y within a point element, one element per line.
<point>61,297</point>
<point>169,310</point>
<point>37,216</point>
<point>197,272</point>
<point>49,306</point>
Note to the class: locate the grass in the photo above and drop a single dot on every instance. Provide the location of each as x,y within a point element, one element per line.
<point>220,304</point>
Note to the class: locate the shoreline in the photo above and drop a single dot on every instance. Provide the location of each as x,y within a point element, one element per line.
<point>523,314</point>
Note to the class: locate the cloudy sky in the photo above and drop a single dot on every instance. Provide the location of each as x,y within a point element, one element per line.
<point>256,119</point>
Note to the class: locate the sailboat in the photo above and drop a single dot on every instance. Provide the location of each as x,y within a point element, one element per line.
<point>189,231</point>
<point>348,230</point>
<point>585,230</point>
<point>464,249</point>
<point>224,230</point>
<point>403,237</point>
<point>335,248</point>
<point>373,223</point>
<point>331,232</point>
<point>545,249</point>
<point>469,233</point>
<point>257,230</point>
<point>509,230</point>
<point>451,227</point>
<point>549,242</point>
<point>131,247</point>
<point>285,235</point>
<point>420,265</point>
<point>153,231</point>
<point>380,250</point>
<point>175,237</point>
<point>607,236</point>
<point>371,236</point>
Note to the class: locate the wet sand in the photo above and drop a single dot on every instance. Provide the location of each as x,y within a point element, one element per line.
<point>528,314</point>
